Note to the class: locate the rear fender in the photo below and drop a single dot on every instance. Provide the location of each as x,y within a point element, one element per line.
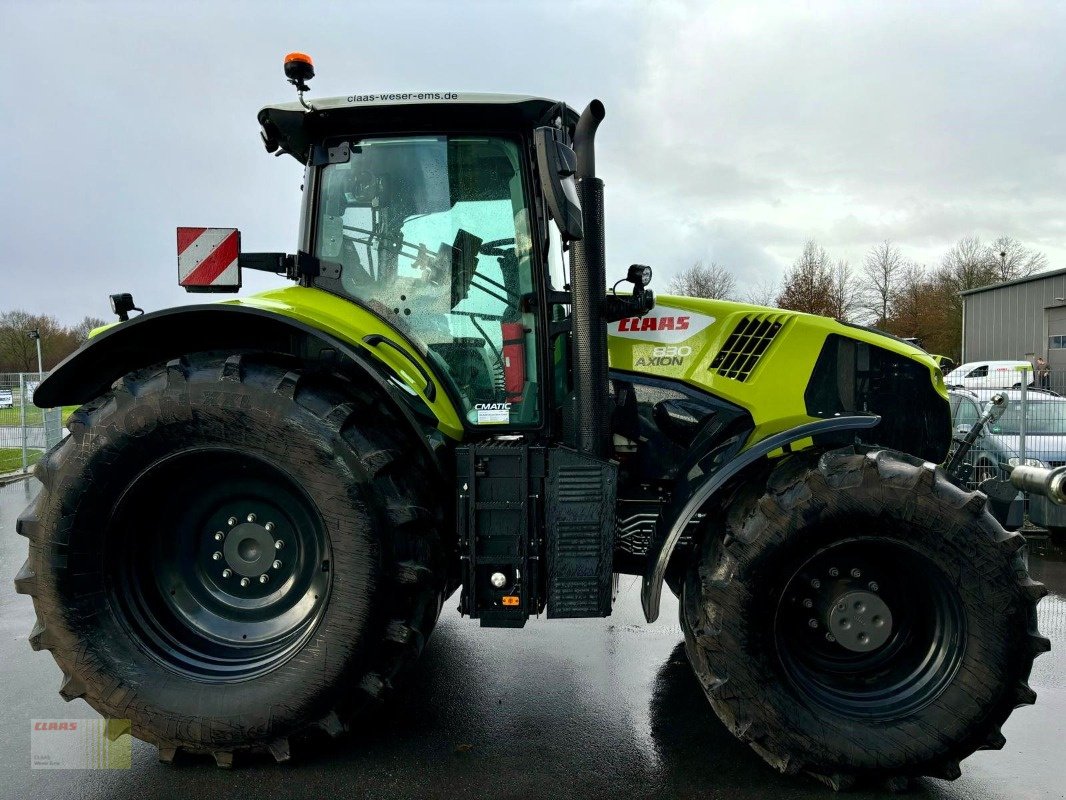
<point>164,335</point>
<point>710,479</point>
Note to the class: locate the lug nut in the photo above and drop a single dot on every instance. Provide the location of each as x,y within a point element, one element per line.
<point>227,572</point>
<point>269,526</point>
<point>873,586</point>
<point>217,556</point>
<point>251,517</point>
<point>813,623</point>
<point>219,536</point>
<point>276,564</point>
<point>833,572</point>
<point>816,584</point>
<point>231,521</point>
<point>279,544</point>
<point>808,603</point>
<point>264,578</point>
<point>856,573</point>
<point>245,581</point>
<point>830,637</point>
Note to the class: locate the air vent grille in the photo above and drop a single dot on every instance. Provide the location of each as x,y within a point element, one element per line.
<point>746,345</point>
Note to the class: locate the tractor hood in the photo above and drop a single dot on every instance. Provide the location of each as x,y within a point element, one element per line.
<point>293,129</point>
<point>786,368</point>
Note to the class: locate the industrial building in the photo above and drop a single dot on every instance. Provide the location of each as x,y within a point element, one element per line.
<point>1019,319</point>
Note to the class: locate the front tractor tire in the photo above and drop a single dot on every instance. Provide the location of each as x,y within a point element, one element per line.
<point>862,620</point>
<point>231,552</point>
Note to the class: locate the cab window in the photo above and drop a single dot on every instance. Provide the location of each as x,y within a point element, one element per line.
<point>433,234</point>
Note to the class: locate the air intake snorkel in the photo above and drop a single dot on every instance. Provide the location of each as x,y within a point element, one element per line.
<point>588,278</point>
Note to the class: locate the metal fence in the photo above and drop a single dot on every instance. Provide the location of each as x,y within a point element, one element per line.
<point>25,430</point>
<point>1031,430</point>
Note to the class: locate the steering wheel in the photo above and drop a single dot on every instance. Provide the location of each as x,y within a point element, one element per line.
<point>496,247</point>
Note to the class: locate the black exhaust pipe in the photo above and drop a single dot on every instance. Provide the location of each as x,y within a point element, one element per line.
<point>588,288</point>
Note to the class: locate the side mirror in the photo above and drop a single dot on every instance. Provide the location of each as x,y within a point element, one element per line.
<point>557,164</point>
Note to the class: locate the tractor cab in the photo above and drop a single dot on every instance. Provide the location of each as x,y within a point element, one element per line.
<point>434,223</point>
<point>446,215</point>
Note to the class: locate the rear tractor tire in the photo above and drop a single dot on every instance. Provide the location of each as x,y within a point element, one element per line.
<point>231,552</point>
<point>862,620</point>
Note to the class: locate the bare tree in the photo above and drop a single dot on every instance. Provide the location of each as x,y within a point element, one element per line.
<point>1010,259</point>
<point>966,265</point>
<point>763,293</point>
<point>882,267</point>
<point>846,295</point>
<point>712,281</point>
<point>910,317</point>
<point>808,284</point>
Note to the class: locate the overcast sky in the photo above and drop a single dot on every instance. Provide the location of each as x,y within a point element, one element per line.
<point>734,131</point>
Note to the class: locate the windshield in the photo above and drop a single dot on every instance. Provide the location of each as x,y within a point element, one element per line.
<point>1042,418</point>
<point>432,233</point>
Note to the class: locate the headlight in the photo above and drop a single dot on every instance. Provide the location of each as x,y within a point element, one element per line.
<point>1029,462</point>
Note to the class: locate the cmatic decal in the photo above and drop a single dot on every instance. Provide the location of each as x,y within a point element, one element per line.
<point>662,324</point>
<point>493,413</point>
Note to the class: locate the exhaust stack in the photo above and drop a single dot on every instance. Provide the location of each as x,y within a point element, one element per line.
<point>588,287</point>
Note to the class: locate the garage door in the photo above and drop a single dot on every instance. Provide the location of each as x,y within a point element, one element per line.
<point>1056,345</point>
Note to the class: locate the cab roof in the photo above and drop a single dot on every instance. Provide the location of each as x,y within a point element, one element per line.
<point>293,128</point>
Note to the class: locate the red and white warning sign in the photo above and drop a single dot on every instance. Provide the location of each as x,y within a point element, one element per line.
<point>207,259</point>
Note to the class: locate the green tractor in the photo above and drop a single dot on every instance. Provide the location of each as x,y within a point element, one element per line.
<point>263,503</point>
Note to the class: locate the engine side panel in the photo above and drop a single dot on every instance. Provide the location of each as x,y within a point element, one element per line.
<point>767,361</point>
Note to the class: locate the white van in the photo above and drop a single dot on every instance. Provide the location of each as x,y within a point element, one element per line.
<point>990,375</point>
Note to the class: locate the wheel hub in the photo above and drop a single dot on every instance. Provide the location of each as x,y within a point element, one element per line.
<point>860,621</point>
<point>249,550</point>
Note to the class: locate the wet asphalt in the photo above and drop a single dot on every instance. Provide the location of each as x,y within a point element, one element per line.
<point>572,708</point>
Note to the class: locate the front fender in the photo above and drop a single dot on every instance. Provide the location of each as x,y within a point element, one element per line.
<point>164,335</point>
<point>703,490</point>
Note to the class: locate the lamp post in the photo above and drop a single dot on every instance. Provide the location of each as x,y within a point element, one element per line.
<point>35,334</point>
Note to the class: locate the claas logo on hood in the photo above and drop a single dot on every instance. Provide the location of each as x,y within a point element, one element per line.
<point>664,325</point>
<point>679,323</point>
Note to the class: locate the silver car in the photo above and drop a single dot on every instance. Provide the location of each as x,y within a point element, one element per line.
<point>997,450</point>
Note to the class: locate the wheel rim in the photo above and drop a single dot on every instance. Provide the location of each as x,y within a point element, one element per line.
<point>870,628</point>
<point>236,570</point>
